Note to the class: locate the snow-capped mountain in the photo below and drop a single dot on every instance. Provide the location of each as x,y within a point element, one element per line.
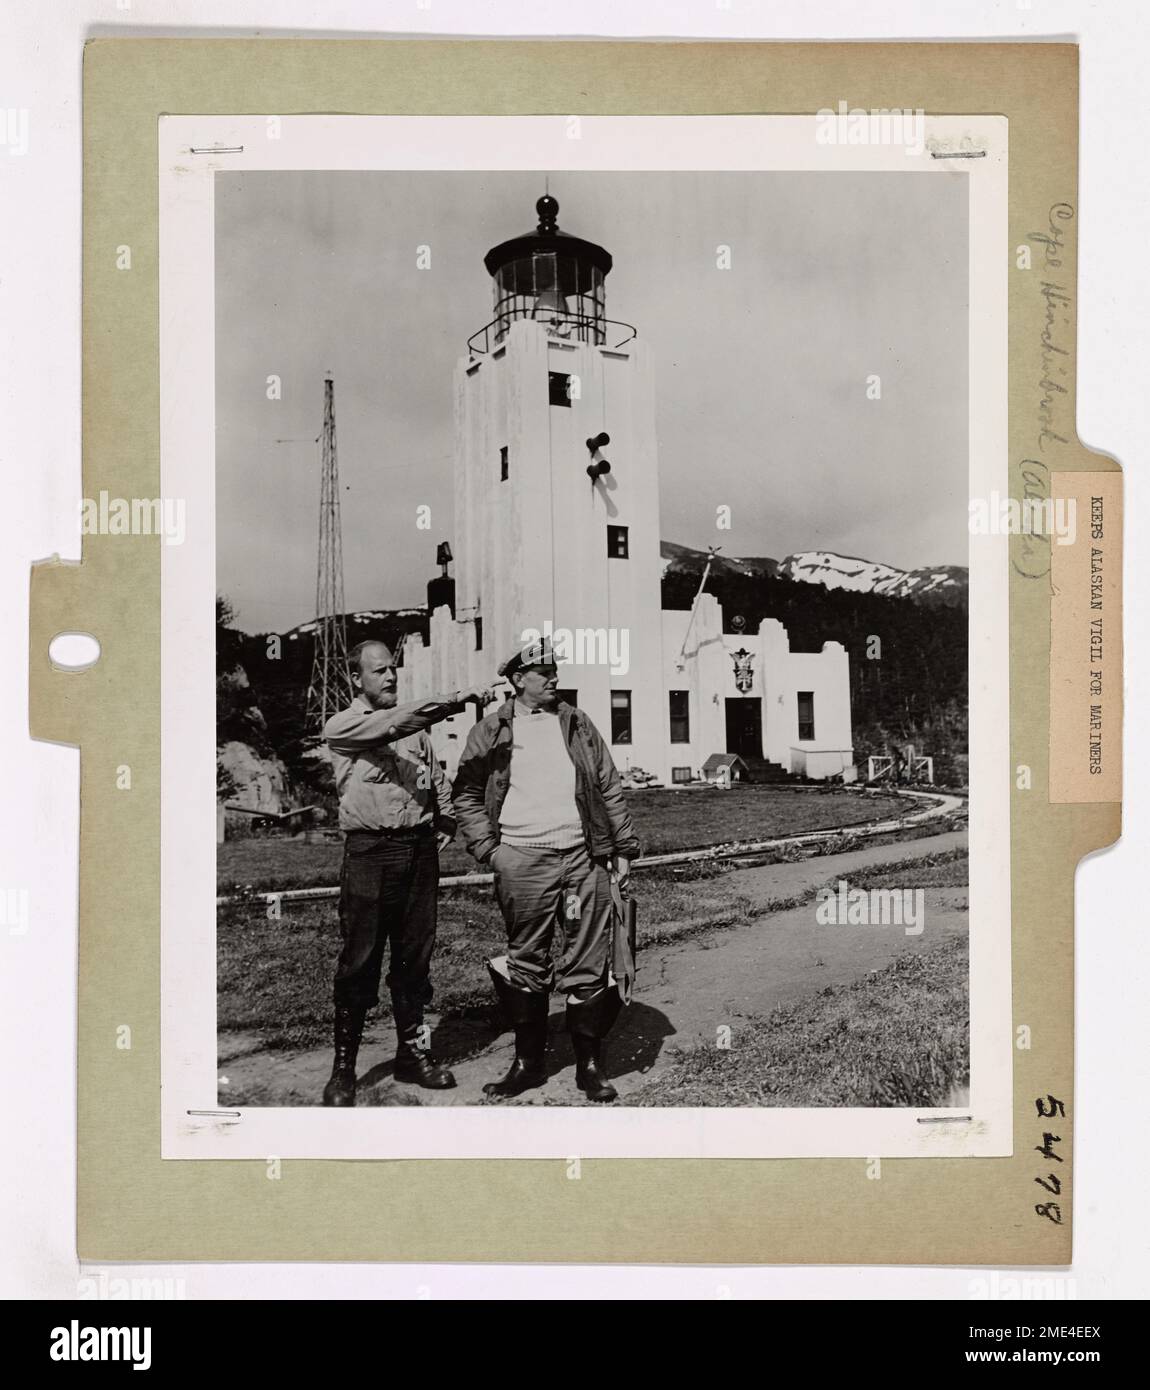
<point>360,618</point>
<point>832,571</point>
<point>682,559</point>
<point>932,584</point>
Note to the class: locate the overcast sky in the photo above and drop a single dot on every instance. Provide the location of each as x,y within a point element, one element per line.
<point>760,369</point>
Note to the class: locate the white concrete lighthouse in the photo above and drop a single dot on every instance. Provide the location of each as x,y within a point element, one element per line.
<point>557,492</point>
<point>557,530</point>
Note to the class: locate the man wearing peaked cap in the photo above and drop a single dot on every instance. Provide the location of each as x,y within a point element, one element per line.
<point>538,800</point>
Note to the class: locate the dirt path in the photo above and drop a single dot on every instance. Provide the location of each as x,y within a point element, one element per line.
<point>686,991</point>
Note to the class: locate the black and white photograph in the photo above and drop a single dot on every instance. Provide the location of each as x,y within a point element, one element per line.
<point>591,583</point>
<point>592,639</point>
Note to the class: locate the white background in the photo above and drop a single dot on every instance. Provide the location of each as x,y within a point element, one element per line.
<point>40,60</point>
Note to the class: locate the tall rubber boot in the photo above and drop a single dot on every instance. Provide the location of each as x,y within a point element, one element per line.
<point>589,1021</point>
<point>340,1090</point>
<point>412,1062</point>
<point>527,1011</point>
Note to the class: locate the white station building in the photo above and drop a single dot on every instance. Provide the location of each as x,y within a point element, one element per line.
<point>557,530</point>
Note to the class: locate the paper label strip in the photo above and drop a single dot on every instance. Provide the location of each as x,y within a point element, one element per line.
<point>1086,639</point>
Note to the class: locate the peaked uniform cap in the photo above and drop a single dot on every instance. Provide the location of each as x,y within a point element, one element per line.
<point>537,653</point>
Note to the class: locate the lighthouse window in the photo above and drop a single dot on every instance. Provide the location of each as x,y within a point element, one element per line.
<point>559,388</point>
<point>617,542</point>
<point>479,634</point>
<point>806,699</point>
<point>620,716</point>
<point>504,466</point>
<point>680,715</point>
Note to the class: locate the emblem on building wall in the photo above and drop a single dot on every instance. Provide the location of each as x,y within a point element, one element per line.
<point>744,675</point>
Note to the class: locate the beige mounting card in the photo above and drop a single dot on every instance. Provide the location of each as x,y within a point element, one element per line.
<point>987,1179</point>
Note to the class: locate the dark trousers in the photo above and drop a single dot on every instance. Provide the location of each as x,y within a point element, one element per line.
<point>389,889</point>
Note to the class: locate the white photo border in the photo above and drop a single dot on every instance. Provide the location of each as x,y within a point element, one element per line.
<point>193,1125</point>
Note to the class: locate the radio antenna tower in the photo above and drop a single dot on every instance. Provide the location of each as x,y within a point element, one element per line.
<point>330,689</point>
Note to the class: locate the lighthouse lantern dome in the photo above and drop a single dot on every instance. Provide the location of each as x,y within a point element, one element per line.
<point>551,277</point>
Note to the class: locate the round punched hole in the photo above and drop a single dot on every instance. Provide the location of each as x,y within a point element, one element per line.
<point>73,651</point>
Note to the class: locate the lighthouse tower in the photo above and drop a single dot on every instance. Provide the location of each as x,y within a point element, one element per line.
<point>557,531</point>
<point>556,496</point>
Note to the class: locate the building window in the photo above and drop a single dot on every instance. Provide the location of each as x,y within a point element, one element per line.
<point>503,464</point>
<point>559,388</point>
<point>680,774</point>
<point>620,716</point>
<point>806,714</point>
<point>479,634</point>
<point>679,701</point>
<point>618,544</point>
<point>569,697</point>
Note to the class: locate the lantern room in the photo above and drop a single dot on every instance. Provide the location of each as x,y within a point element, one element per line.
<point>548,276</point>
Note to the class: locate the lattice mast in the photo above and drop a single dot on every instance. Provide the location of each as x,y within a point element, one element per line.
<point>330,689</point>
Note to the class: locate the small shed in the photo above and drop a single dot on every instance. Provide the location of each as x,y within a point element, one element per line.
<point>728,766</point>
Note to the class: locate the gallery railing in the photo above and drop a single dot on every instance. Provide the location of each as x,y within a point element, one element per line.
<point>582,327</point>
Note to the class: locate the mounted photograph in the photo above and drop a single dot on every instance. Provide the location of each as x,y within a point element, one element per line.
<point>655,596</point>
<point>605,707</point>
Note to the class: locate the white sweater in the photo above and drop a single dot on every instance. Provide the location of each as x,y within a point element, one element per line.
<point>539,808</point>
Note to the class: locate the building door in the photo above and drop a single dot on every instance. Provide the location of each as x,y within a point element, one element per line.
<point>745,727</point>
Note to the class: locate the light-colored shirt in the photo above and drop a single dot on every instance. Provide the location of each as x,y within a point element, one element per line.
<point>385,768</point>
<point>539,808</point>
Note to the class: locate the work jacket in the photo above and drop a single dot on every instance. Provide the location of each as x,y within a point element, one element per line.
<point>484,775</point>
<point>385,768</point>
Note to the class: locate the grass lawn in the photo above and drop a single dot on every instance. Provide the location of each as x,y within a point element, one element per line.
<point>664,821</point>
<point>898,1037</point>
<point>901,1036</point>
<point>274,976</point>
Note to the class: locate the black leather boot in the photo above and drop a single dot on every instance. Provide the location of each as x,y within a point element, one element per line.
<point>589,1021</point>
<point>412,1062</point>
<point>527,1010</point>
<point>340,1090</point>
